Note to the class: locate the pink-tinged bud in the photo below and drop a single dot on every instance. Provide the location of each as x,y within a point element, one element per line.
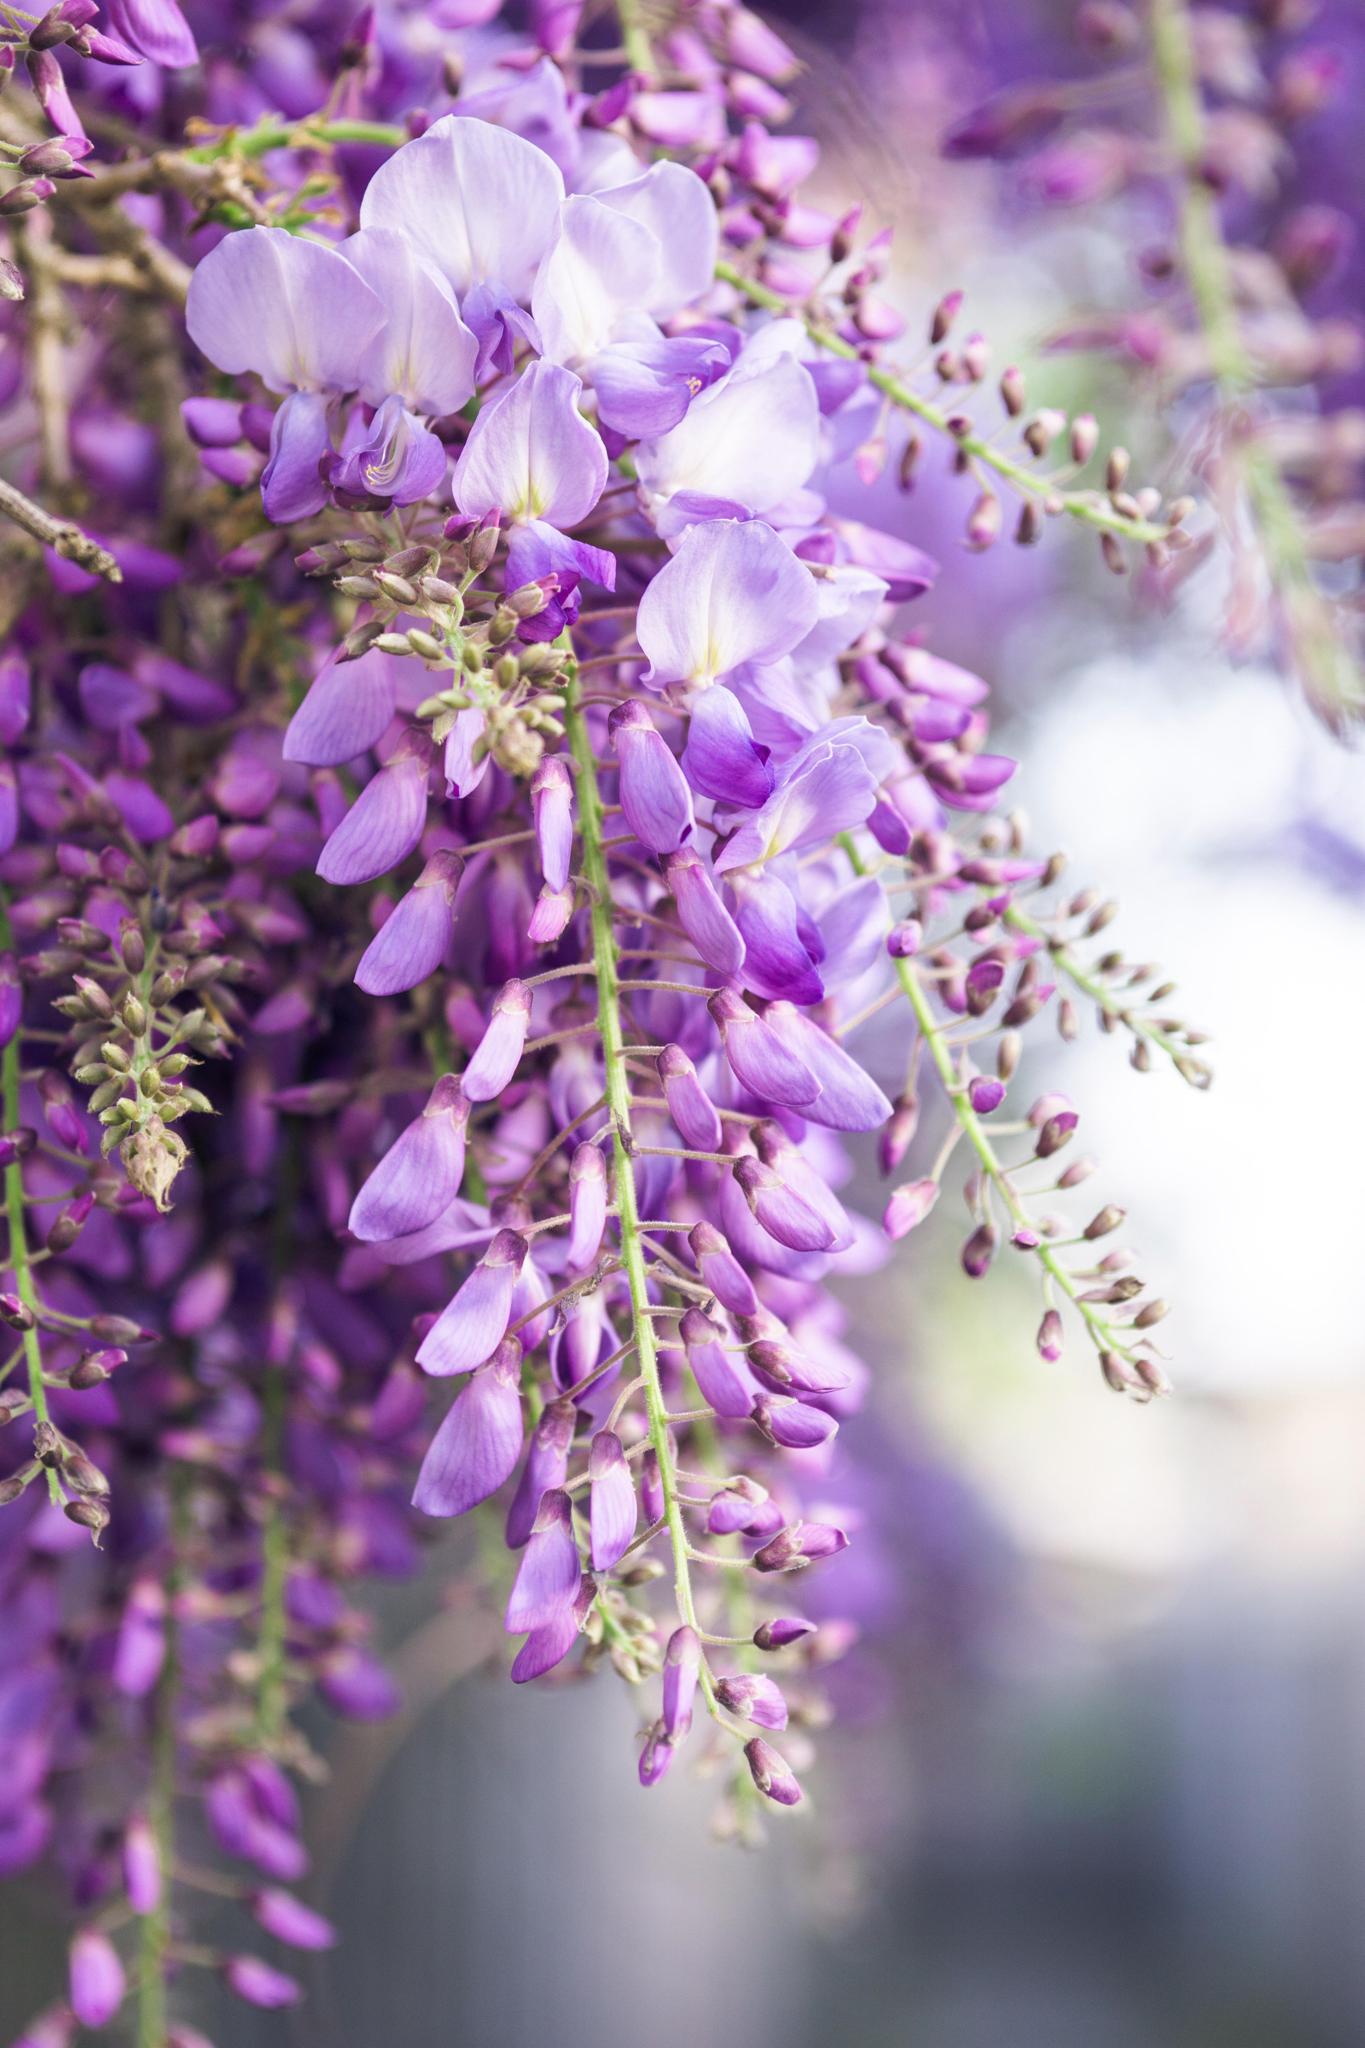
<point>798,1545</point>
<point>682,1667</point>
<point>656,1758</point>
<point>690,1107</point>
<point>985,1093</point>
<point>475,1320</point>
<point>782,1212</point>
<point>702,914</point>
<point>908,1207</point>
<point>546,1467</point>
<point>792,1425</point>
<point>753,1698</point>
<point>782,1632</point>
<point>415,937</point>
<point>552,810</point>
<point>420,1174</point>
<point>259,1983</point>
<point>498,1053</point>
<point>721,1271</point>
<point>654,794</point>
<point>782,1367</point>
<point>587,1206</point>
<point>1056,1132</point>
<point>1050,1336</point>
<point>611,1501</point>
<point>771,1773</point>
<point>553,909</point>
<point>548,1575</point>
<point>727,1386</point>
<point>898,1135</point>
<point>290,1921</point>
<point>904,940</point>
<point>141,1866</point>
<point>979,1250</point>
<point>96,1983</point>
<point>476,1448</point>
<point>735,1507</point>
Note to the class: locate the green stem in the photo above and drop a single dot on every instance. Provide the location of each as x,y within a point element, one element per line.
<point>155,1928</point>
<point>612,1033</point>
<point>1192,1070</point>
<point>1328,671</point>
<point>635,37</point>
<point>1088,506</point>
<point>940,1052</point>
<point>14,1211</point>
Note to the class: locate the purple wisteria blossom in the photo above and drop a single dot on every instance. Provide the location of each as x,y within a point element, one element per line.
<point>462,799</point>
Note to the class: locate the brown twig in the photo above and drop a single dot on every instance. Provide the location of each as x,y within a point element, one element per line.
<point>62,535</point>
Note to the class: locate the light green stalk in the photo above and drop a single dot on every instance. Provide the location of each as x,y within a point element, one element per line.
<point>1090,507</point>
<point>1103,1333</point>
<point>14,1213</point>
<point>1329,673</point>
<point>612,1032</point>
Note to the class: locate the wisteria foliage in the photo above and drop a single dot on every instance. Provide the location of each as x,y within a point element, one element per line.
<point>466,797</point>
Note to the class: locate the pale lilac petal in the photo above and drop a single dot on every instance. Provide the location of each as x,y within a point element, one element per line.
<point>677,206</point>
<point>156,29</point>
<point>290,309</point>
<point>733,593</point>
<point>601,265</point>
<point>545,1647</point>
<point>383,825</point>
<point>645,384</point>
<point>791,1424</point>
<point>760,1060</point>
<point>690,1107</point>
<point>498,1053</point>
<point>781,1210</point>
<point>552,807</point>
<point>727,1386</point>
<point>546,1466</point>
<point>392,456</point>
<point>702,914</point>
<point>477,203</point>
<point>612,1510</point>
<point>548,1575</point>
<point>420,1174</point>
<point>532,455</point>
<point>292,482</point>
<point>474,1322</point>
<point>849,1099</point>
<point>777,960</point>
<point>587,1207</point>
<point>722,759</point>
<point>653,789</point>
<point>476,1448</point>
<point>424,351</point>
<point>753,438</point>
<point>721,1271</point>
<point>415,937</point>
<point>347,710</point>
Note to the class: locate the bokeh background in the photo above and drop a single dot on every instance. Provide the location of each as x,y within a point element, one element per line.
<point>1099,1777</point>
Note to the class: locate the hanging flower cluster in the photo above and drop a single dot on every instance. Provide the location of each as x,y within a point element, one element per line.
<point>1208,120</point>
<point>468,801</point>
